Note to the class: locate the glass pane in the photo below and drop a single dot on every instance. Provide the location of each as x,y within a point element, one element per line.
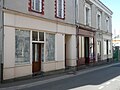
<point>42,52</point>
<point>36,52</point>
<point>41,36</point>
<point>35,36</point>
<point>22,46</point>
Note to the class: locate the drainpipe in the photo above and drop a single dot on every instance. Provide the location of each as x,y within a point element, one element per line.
<point>77,29</point>
<point>2,27</point>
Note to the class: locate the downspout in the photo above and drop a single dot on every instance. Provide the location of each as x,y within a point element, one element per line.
<point>77,29</point>
<point>2,27</point>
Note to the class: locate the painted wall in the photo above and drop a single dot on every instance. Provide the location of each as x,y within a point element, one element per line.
<point>49,9</point>
<point>70,41</point>
<point>12,21</point>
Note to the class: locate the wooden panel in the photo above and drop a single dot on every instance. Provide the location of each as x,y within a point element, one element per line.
<point>86,33</point>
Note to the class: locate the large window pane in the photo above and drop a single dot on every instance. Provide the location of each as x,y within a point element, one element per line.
<point>22,46</point>
<point>50,47</point>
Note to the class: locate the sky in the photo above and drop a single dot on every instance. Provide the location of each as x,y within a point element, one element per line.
<point>114,5</point>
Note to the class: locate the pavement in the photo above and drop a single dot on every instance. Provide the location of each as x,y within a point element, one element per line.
<point>61,79</point>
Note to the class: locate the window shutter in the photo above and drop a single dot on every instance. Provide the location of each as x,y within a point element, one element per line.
<point>57,8</point>
<point>89,17</point>
<point>62,9</point>
<point>40,7</point>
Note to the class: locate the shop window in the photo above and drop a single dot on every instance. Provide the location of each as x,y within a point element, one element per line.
<point>50,47</point>
<point>22,46</point>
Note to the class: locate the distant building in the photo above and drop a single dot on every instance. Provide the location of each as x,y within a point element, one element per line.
<point>94,31</point>
<point>116,40</point>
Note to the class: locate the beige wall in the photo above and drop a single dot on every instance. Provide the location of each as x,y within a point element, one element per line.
<point>70,41</point>
<point>11,70</point>
<point>49,9</point>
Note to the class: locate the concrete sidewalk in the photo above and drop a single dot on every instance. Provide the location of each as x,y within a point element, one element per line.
<point>43,80</point>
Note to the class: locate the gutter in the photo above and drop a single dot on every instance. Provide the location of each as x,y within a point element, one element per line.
<point>2,27</point>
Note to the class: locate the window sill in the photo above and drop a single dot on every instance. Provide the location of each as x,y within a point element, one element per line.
<point>22,64</point>
<point>60,18</point>
<point>37,11</point>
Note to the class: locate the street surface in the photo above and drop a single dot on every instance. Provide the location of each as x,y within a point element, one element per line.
<point>102,79</point>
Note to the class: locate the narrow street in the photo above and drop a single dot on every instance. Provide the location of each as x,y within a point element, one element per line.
<point>103,79</point>
<point>98,78</point>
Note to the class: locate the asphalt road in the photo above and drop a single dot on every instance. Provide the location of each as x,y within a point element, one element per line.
<point>103,79</point>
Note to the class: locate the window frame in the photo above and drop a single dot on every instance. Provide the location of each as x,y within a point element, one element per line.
<point>40,7</point>
<point>20,59</point>
<point>62,10</point>
<point>107,23</point>
<point>87,20</point>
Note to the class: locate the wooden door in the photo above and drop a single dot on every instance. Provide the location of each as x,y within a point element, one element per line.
<point>36,53</point>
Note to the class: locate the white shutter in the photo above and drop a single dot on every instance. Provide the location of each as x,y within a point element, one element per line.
<point>57,8</point>
<point>40,5</point>
<point>85,15</point>
<point>62,8</point>
<point>89,17</point>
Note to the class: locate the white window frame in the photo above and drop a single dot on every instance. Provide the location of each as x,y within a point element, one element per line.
<point>33,5</point>
<point>98,22</point>
<point>60,9</point>
<point>88,6</point>
<point>107,23</point>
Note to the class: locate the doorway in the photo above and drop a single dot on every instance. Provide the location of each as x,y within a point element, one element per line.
<point>86,50</point>
<point>36,54</point>
<point>68,43</point>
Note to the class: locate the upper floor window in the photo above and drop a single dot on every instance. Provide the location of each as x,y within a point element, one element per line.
<point>36,6</point>
<point>98,21</point>
<point>107,24</point>
<point>60,9</point>
<point>87,14</point>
